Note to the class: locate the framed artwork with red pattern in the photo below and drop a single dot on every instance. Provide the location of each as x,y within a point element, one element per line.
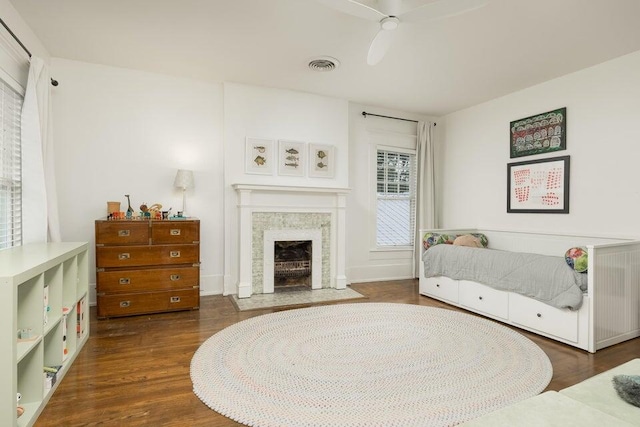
<point>542,133</point>
<point>538,186</point>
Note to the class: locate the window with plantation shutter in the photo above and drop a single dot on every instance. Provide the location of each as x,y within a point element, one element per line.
<point>396,198</point>
<point>10,168</point>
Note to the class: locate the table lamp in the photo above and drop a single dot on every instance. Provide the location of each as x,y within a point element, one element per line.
<point>184,180</point>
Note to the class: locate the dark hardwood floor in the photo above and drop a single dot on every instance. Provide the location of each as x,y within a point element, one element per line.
<point>134,371</point>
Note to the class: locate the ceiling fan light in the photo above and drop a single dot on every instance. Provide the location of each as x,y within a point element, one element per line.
<point>389,23</point>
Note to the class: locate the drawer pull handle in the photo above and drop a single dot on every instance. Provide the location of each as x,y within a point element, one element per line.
<point>124,255</point>
<point>437,285</point>
<point>175,231</point>
<point>480,298</point>
<point>175,299</point>
<point>174,254</point>
<point>125,304</point>
<point>539,315</point>
<point>125,280</point>
<point>124,233</point>
<point>175,277</point>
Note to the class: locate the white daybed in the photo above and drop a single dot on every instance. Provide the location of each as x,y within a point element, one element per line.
<point>610,312</point>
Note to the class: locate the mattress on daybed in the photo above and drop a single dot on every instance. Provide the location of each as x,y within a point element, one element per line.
<point>545,278</point>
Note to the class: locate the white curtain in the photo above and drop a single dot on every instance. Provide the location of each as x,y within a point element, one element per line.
<point>40,221</point>
<point>426,214</point>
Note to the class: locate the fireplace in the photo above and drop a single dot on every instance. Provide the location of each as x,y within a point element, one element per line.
<point>292,260</point>
<point>292,265</point>
<point>272,213</point>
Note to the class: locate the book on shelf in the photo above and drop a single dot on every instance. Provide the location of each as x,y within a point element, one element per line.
<point>46,305</point>
<point>80,314</point>
<point>65,349</point>
<point>50,376</point>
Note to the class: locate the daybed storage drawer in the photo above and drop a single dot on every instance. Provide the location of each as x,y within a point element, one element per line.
<point>442,287</point>
<point>484,299</point>
<point>543,317</point>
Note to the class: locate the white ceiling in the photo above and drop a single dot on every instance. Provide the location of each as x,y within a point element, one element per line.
<point>433,68</point>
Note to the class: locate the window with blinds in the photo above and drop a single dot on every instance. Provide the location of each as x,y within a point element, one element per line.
<point>396,198</point>
<point>10,168</point>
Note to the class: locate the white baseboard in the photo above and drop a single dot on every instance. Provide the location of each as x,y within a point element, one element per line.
<point>377,273</point>
<point>211,284</point>
<point>380,279</point>
<point>92,294</point>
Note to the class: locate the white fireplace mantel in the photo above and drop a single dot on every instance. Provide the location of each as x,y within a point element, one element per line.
<point>254,198</point>
<point>289,189</point>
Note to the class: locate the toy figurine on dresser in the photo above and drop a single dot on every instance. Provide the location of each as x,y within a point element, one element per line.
<point>129,209</point>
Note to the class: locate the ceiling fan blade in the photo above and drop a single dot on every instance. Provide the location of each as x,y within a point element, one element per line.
<point>354,8</point>
<point>379,46</point>
<point>441,9</point>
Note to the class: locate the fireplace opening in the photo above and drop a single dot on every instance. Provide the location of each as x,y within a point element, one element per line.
<point>292,265</point>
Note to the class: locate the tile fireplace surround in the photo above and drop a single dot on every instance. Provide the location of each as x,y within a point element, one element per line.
<point>269,213</point>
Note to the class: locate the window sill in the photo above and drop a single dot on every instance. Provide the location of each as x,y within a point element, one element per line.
<point>392,249</point>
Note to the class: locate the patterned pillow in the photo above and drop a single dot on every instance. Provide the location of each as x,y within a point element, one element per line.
<point>483,239</point>
<point>577,259</point>
<point>432,239</point>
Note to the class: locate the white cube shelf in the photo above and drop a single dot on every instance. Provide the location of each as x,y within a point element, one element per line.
<point>41,287</point>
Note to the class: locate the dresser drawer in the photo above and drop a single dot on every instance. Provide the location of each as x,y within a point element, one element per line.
<point>139,256</point>
<point>129,304</point>
<point>145,280</point>
<point>179,231</point>
<point>543,317</point>
<point>442,288</point>
<point>483,299</point>
<point>122,233</point>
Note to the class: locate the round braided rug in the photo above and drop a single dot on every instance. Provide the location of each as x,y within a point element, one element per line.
<point>366,364</point>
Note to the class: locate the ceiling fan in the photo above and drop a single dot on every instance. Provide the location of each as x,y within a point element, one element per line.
<point>390,13</point>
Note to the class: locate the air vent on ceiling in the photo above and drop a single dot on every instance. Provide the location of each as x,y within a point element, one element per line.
<point>324,63</point>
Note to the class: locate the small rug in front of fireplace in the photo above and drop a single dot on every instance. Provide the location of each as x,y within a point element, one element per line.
<point>294,298</point>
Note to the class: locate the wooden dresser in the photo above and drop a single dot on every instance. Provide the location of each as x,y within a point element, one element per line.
<point>147,266</point>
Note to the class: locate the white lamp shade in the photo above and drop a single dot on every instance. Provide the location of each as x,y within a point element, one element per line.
<point>184,179</point>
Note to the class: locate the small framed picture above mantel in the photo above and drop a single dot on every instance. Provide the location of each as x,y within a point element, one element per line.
<point>259,156</point>
<point>538,186</point>
<point>291,158</point>
<point>322,160</point>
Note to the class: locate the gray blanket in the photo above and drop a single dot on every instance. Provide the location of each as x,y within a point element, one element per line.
<point>544,278</point>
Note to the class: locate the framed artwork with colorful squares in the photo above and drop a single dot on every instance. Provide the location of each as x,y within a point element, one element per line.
<point>538,186</point>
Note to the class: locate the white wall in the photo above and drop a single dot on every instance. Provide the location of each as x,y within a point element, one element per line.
<point>119,131</point>
<point>603,140</point>
<point>275,114</point>
<point>12,18</point>
<point>14,61</point>
<point>364,261</point>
